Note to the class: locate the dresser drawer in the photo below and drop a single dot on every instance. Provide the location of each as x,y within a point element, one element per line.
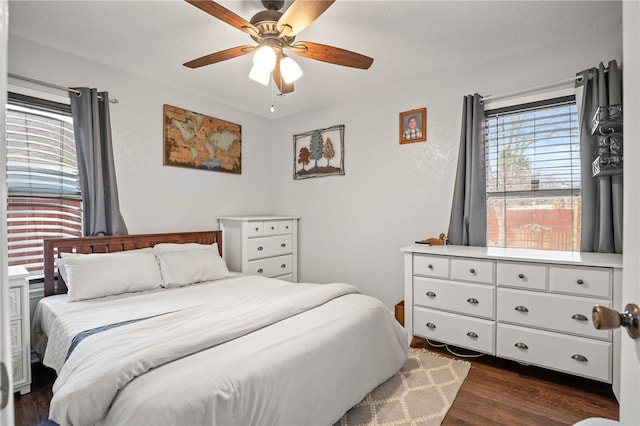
<point>255,229</point>
<point>258,248</point>
<point>523,275</point>
<point>583,281</point>
<point>575,355</point>
<point>16,335</point>
<point>464,298</point>
<point>288,277</point>
<point>19,329</point>
<point>18,368</point>
<point>270,228</point>
<point>15,302</point>
<point>458,330</point>
<point>554,312</point>
<point>285,227</point>
<point>431,266</point>
<point>272,267</point>
<point>476,270</point>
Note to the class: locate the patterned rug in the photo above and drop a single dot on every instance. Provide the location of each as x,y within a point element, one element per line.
<point>420,393</point>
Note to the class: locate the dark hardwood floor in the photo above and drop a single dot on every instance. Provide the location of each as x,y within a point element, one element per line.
<point>33,408</point>
<point>496,392</point>
<point>502,392</point>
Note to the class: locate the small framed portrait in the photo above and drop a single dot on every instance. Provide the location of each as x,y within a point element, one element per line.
<point>413,126</point>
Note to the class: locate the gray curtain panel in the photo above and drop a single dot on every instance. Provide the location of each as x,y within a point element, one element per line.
<point>92,127</point>
<point>601,224</point>
<point>468,223</point>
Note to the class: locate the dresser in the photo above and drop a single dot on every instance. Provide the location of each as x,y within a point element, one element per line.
<point>530,306</point>
<point>20,328</point>
<point>261,245</point>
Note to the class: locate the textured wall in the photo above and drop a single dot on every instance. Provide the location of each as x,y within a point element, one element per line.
<point>352,227</point>
<point>153,197</point>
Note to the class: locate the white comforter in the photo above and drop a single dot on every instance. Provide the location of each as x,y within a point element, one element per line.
<point>293,354</point>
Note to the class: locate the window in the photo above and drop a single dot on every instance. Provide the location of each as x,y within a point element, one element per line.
<point>533,176</point>
<point>42,179</point>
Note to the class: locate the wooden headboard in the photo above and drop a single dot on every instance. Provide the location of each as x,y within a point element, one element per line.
<point>53,284</point>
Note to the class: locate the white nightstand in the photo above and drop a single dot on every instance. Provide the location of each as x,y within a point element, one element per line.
<point>261,245</point>
<point>20,328</point>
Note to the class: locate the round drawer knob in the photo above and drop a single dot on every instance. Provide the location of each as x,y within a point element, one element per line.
<point>472,335</point>
<point>521,308</point>
<point>579,317</point>
<point>283,245</point>
<point>430,266</point>
<point>473,300</point>
<point>431,294</point>
<point>260,270</point>
<point>431,326</point>
<point>283,266</point>
<point>521,345</point>
<point>580,281</point>
<point>260,248</point>
<point>579,357</point>
<point>257,229</point>
<point>272,228</point>
<point>521,276</point>
<point>473,271</point>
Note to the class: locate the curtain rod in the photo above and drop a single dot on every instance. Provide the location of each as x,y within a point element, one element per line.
<point>532,89</point>
<point>54,86</point>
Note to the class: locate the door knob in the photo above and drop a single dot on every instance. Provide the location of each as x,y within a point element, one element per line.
<point>605,319</point>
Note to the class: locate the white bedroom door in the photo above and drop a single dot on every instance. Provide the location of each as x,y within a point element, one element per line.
<point>630,349</point>
<point>6,387</point>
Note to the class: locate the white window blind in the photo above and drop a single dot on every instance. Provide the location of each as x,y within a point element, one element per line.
<point>42,178</point>
<point>533,176</point>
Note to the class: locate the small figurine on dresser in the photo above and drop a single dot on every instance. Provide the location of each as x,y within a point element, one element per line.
<point>440,241</point>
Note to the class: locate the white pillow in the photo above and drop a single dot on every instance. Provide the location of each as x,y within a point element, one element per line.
<point>184,267</point>
<point>99,275</point>
<point>171,247</point>
<point>60,262</point>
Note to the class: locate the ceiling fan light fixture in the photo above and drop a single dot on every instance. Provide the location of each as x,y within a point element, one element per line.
<point>259,75</point>
<point>275,31</point>
<point>265,58</point>
<point>289,69</point>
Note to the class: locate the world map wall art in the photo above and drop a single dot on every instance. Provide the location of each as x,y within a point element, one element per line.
<point>319,153</point>
<point>197,141</point>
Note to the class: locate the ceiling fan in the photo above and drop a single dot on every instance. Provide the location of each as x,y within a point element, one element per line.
<point>275,31</point>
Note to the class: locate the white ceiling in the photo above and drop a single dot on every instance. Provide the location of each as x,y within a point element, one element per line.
<point>408,40</point>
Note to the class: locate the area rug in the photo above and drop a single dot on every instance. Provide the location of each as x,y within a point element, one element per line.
<point>420,393</point>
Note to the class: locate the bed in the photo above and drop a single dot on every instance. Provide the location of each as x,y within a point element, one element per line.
<point>205,346</point>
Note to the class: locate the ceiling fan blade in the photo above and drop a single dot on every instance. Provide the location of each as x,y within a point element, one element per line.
<point>283,86</point>
<point>332,55</point>
<point>300,15</point>
<point>225,15</point>
<point>220,56</point>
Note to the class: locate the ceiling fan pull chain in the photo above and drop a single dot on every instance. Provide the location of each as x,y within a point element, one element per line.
<point>272,90</point>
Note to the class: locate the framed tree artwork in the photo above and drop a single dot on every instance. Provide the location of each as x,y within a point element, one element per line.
<point>319,152</point>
